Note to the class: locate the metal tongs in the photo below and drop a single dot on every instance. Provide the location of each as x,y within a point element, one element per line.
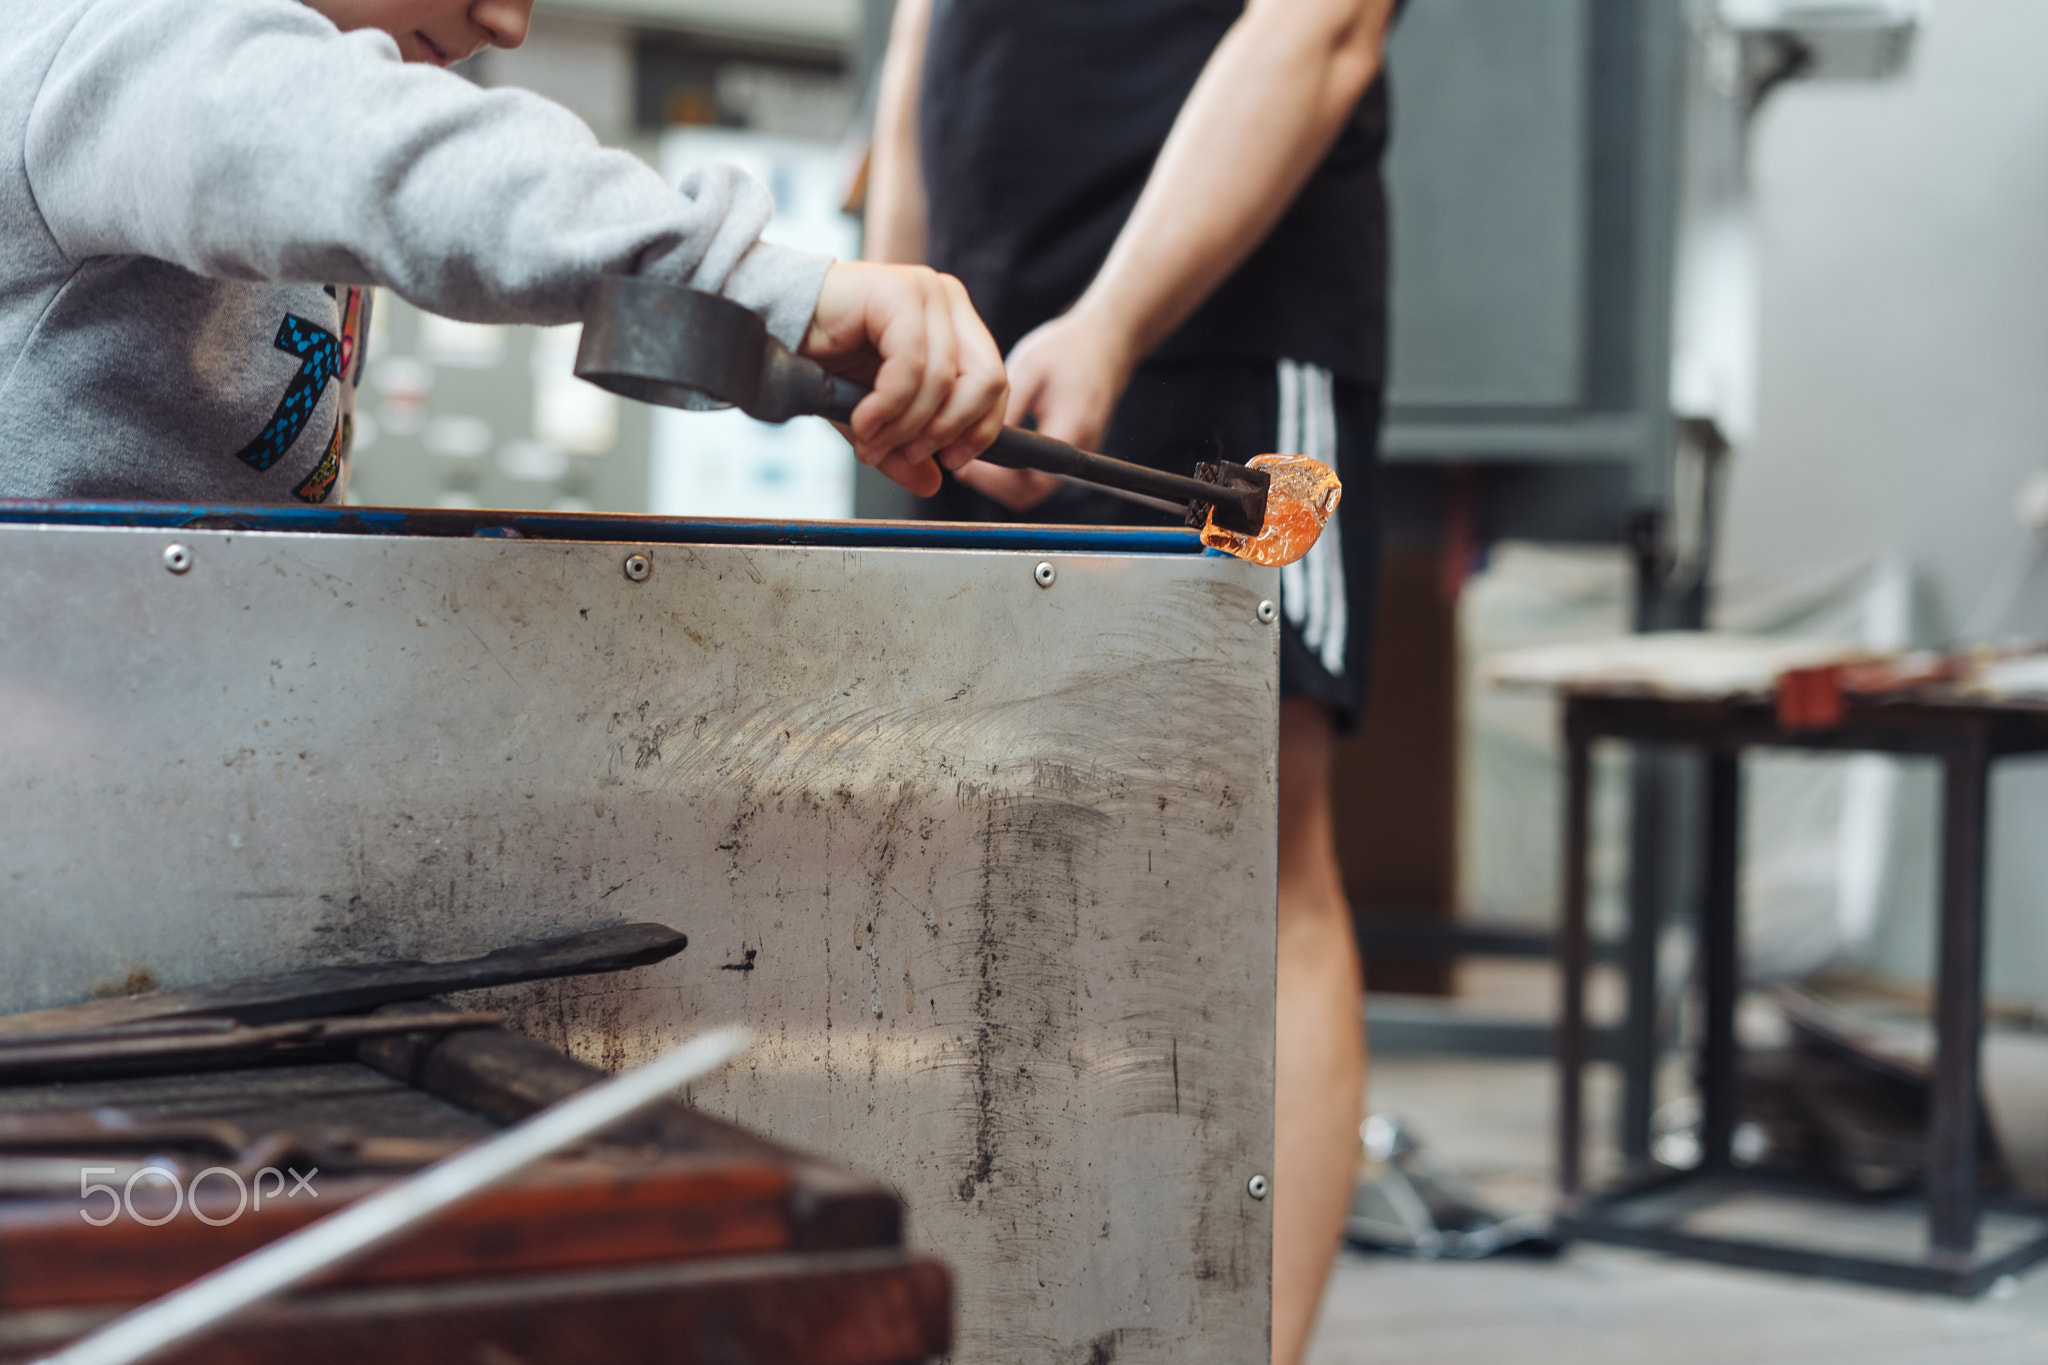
<point>683,348</point>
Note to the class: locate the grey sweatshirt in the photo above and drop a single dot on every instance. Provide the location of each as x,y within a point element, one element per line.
<point>196,194</point>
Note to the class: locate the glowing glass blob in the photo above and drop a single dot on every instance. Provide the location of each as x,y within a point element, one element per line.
<point>1301,501</point>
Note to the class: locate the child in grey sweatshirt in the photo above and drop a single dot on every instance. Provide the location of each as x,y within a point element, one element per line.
<point>195,196</point>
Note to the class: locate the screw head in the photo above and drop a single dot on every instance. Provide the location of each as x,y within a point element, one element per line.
<point>1256,1187</point>
<point>1044,574</point>
<point>177,558</point>
<point>638,567</point>
<point>1268,613</point>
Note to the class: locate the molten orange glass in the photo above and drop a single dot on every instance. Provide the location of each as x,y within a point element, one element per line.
<point>1302,499</point>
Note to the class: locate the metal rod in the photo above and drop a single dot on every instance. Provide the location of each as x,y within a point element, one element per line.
<point>1571,961</point>
<point>370,1222</point>
<point>1720,942</point>
<point>1652,772</point>
<point>1958,1010</point>
<point>1166,505</point>
<point>1015,448</point>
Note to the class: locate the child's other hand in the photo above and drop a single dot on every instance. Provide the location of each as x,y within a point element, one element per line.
<point>939,389</point>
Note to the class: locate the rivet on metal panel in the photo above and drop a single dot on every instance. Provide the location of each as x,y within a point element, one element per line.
<point>1268,612</point>
<point>638,567</point>
<point>1256,1187</point>
<point>177,558</point>
<point>1044,574</point>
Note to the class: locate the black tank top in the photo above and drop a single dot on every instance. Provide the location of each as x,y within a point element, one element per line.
<point>1040,122</point>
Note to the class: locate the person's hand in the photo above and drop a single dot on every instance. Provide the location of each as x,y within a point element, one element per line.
<point>1069,374</point>
<point>911,335</point>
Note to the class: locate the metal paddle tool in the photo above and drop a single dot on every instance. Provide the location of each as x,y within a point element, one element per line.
<point>684,348</point>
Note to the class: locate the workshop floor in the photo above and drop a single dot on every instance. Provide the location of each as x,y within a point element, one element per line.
<point>1607,1306</point>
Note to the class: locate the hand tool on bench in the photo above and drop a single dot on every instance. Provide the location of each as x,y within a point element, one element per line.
<point>684,348</point>
<point>341,990</point>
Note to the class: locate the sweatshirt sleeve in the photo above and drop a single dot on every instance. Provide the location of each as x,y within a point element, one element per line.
<point>249,139</point>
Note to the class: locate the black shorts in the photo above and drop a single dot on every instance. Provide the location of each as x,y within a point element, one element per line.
<point>1177,413</point>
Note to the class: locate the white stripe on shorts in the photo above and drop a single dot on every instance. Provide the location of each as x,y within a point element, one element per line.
<point>1293,577</point>
<point>1312,588</point>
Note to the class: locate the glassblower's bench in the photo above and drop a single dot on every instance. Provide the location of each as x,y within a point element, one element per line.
<point>973,826</point>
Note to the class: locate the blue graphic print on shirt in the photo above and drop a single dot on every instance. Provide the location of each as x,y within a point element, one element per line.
<point>320,355</point>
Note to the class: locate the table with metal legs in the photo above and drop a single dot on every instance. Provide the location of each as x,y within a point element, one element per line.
<point>1659,1208</point>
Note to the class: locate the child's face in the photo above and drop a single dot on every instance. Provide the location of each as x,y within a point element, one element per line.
<point>436,31</point>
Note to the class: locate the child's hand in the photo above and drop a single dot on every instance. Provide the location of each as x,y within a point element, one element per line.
<point>939,390</point>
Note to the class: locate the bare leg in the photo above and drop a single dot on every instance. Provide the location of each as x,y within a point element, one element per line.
<point>1319,1049</point>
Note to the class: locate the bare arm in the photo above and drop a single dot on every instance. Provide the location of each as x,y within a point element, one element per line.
<point>896,202</point>
<point>1262,116</point>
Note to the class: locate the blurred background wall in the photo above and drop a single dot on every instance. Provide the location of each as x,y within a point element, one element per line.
<point>1903,394</point>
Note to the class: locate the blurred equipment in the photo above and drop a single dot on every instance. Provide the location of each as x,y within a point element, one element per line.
<point>1819,827</point>
<point>2030,510</point>
<point>1413,1205</point>
<point>729,464</point>
<point>1846,1101</point>
<point>1819,40</point>
<point>1575,356</point>
<point>802,24</point>
<point>1533,191</point>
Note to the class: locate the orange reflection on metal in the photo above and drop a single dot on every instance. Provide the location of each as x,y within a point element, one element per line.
<point>1301,501</point>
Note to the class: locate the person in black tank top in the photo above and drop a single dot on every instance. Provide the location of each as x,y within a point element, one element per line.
<point>1043,121</point>
<point>1170,214</point>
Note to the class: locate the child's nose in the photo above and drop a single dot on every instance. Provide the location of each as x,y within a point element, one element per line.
<point>504,20</point>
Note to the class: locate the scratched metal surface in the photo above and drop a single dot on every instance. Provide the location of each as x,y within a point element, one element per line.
<point>989,865</point>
